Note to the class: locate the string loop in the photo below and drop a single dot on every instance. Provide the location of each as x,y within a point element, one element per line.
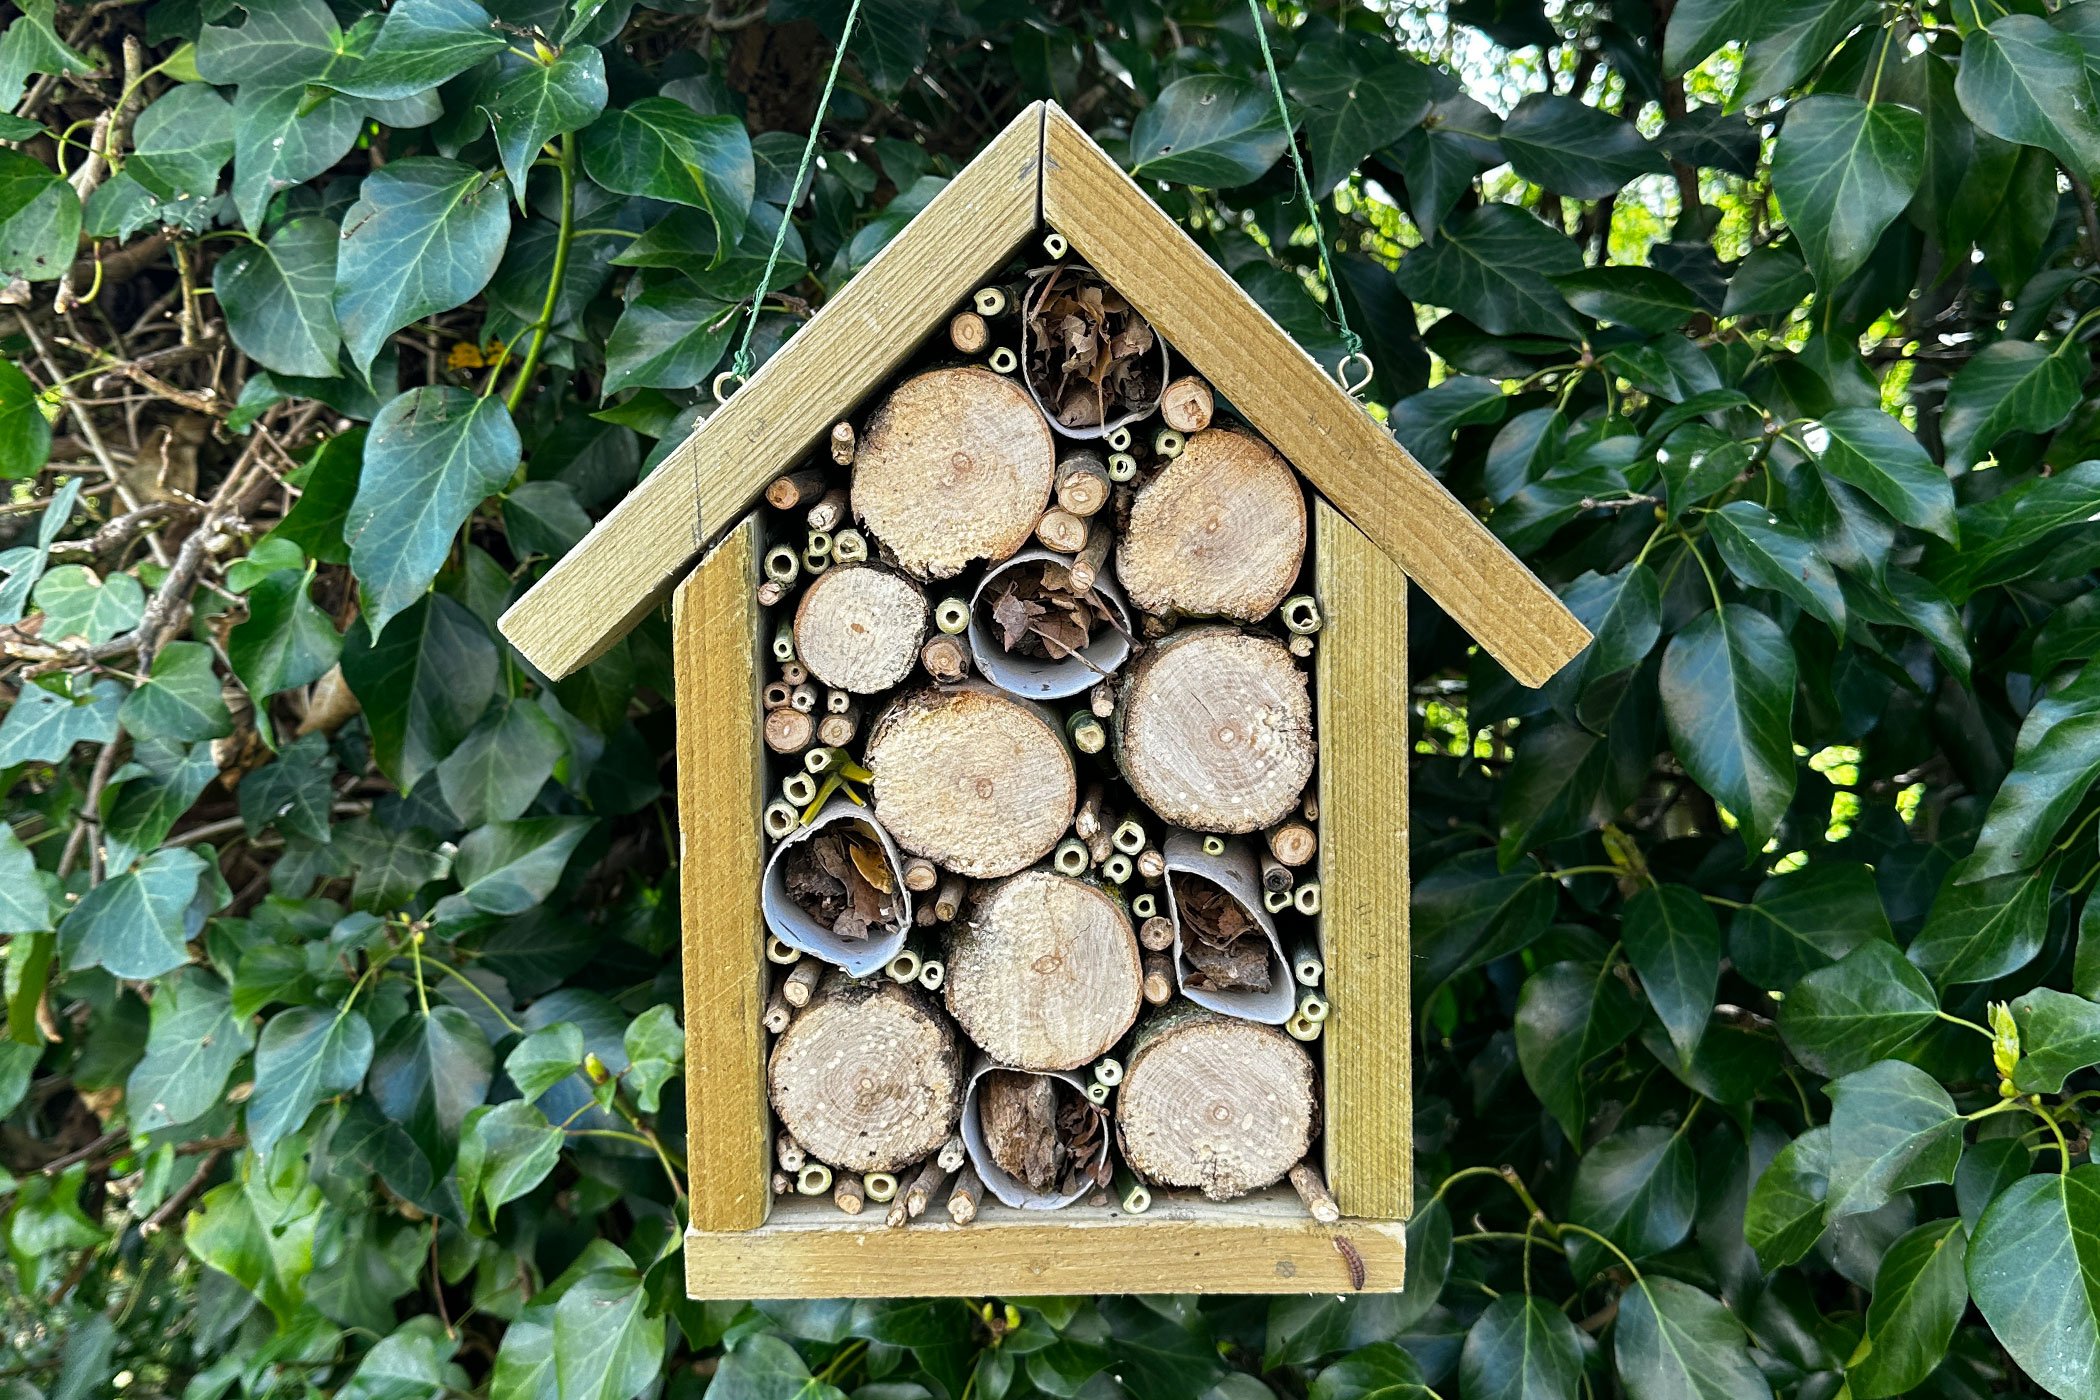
<point>1352,343</point>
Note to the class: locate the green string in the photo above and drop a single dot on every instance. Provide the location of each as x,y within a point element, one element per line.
<point>741,365</point>
<point>1351,341</point>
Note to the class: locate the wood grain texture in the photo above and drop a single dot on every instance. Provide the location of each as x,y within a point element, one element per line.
<point>1262,1244</point>
<point>1297,405</point>
<point>721,788</point>
<point>856,341</point>
<point>1361,671</point>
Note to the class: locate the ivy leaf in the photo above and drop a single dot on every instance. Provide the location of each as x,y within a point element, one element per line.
<point>39,219</point>
<point>1764,551</point>
<point>1727,687</point>
<point>280,42</point>
<point>409,1365</point>
<point>179,700</point>
<point>1623,612</point>
<point>1380,1371</point>
<point>2026,82</point>
<point>138,923</point>
<point>1986,929</point>
<point>294,793</point>
<point>32,44</point>
<point>1770,281</point>
<point>1865,447</point>
<point>315,521</point>
<point>663,149</point>
<point>2034,1270</point>
<point>500,767</point>
<point>193,1044</point>
<point>1211,130</point>
<point>433,455</point>
<point>425,235</point>
<point>606,1342</point>
<point>1639,297</point>
<point>1804,920</point>
<point>1862,1008</point>
<point>286,640</point>
<point>543,517</point>
<point>2059,1035</point>
<point>138,813</point>
<point>2014,386</point>
<point>545,1058</point>
<point>1674,943</point>
<point>1674,1342</point>
<point>1575,149</point>
<point>1843,171</point>
<point>1567,1015</point>
<point>1639,1189</point>
<point>281,138</point>
<point>1491,265</point>
<point>306,1053</point>
<point>537,102</point>
<point>428,1071</point>
<point>1698,27</point>
<point>1784,1217</point>
<point>669,337</point>
<point>259,1230</point>
<point>24,906</point>
<point>421,44</point>
<point>422,686</point>
<point>655,1046</point>
<point>505,1151</point>
<point>1892,1127</point>
<point>1520,1348</point>
<point>42,725</point>
<point>2055,762</point>
<point>279,298</point>
<point>80,605</point>
<point>1791,41</point>
<point>2006,530</point>
<point>1919,1296</point>
<point>182,142</point>
<point>1361,93</point>
<point>509,867</point>
<point>391,865</point>
<point>25,434</point>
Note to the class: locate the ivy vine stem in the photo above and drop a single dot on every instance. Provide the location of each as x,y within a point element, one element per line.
<point>566,232</point>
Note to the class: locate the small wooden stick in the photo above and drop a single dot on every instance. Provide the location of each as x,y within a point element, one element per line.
<point>1061,532</point>
<point>1090,559</point>
<point>804,698</point>
<point>1102,700</point>
<point>794,672</point>
<point>920,875</point>
<point>789,1154</point>
<point>849,1193</point>
<point>945,658</point>
<point>1082,483</point>
<point>1152,863</point>
<point>1313,1191</point>
<point>773,590</point>
<point>842,442</point>
<point>920,1193</point>
<point>1159,979</point>
<point>802,981</point>
<point>1300,646</point>
<point>1187,404</point>
<point>968,333</point>
<point>1275,875</point>
<point>776,694</point>
<point>966,1195</point>
<point>953,1153</point>
<point>1293,843</point>
<point>948,902</point>
<point>1309,808</point>
<point>783,1184</point>
<point>1087,820</point>
<point>837,731</point>
<point>828,513</point>
<point>778,1013</point>
<point>1156,933</point>
<point>788,730</point>
<point>795,489</point>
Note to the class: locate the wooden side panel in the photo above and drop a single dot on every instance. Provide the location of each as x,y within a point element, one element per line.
<point>1297,405</point>
<point>1361,668</point>
<point>721,788</point>
<point>1263,1244</point>
<point>624,567</point>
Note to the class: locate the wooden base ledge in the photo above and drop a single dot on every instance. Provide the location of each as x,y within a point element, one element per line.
<point>1263,1244</point>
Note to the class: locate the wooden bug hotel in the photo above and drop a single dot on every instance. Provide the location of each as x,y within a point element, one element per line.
<point>1042,712</point>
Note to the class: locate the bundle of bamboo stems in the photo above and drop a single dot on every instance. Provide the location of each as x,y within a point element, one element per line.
<point>1043,729</point>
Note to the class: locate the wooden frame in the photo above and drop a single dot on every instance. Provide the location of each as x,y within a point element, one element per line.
<point>742,1241</point>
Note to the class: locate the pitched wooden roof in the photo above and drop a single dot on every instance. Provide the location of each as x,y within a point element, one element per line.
<point>1042,170</point>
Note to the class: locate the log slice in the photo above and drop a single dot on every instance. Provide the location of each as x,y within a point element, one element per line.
<point>1219,532</point>
<point>867,1077</point>
<point>1214,1103</point>
<point>972,779</point>
<point>1045,974</point>
<point>858,627</point>
<point>956,465</point>
<point>1214,730</point>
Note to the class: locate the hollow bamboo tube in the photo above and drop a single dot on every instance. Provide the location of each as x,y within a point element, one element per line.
<point>1108,1070</point>
<point>989,301</point>
<point>952,615</point>
<point>1275,875</point>
<point>848,1193</point>
<point>778,1013</point>
<point>842,443</point>
<point>1121,466</point>
<point>782,563</point>
<point>799,789</point>
<point>1214,845</point>
<point>1301,613</point>
<point>1276,901</point>
<point>814,1179</point>
<point>830,511</point>
<point>849,546</point>
<point>1145,906</point>
<point>776,694</point>
<point>1303,1029</point>
<point>968,333</point>
<point>1117,869</point>
<point>880,1187</point>
<point>1168,444</point>
<point>1159,979</point>
<point>932,973</point>
<point>1306,897</point>
<point>1055,245</point>
<point>814,563</point>
<point>817,544</point>
<point>781,818</point>
<point>1187,404</point>
<point>784,642</point>
<point>1132,1194</point>
<point>1129,836</point>
<point>1306,965</point>
<point>802,981</point>
<point>904,967</point>
<point>1313,1191</point>
<point>1087,733</point>
<point>1082,483</point>
<point>1097,1092</point>
<point>804,698</point>
<point>1118,439</point>
<point>1070,857</point>
<point>1002,361</point>
<point>789,1154</point>
<point>965,1196</point>
<point>1313,1007</point>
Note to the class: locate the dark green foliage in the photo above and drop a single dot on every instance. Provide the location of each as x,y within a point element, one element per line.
<point>1756,961</point>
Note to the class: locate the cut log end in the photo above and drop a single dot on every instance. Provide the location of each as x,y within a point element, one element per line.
<point>957,465</point>
<point>1214,730</point>
<point>1220,532</point>
<point>859,626</point>
<point>1187,404</point>
<point>867,1078</point>
<point>972,779</point>
<point>1215,1104</point>
<point>1045,974</point>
